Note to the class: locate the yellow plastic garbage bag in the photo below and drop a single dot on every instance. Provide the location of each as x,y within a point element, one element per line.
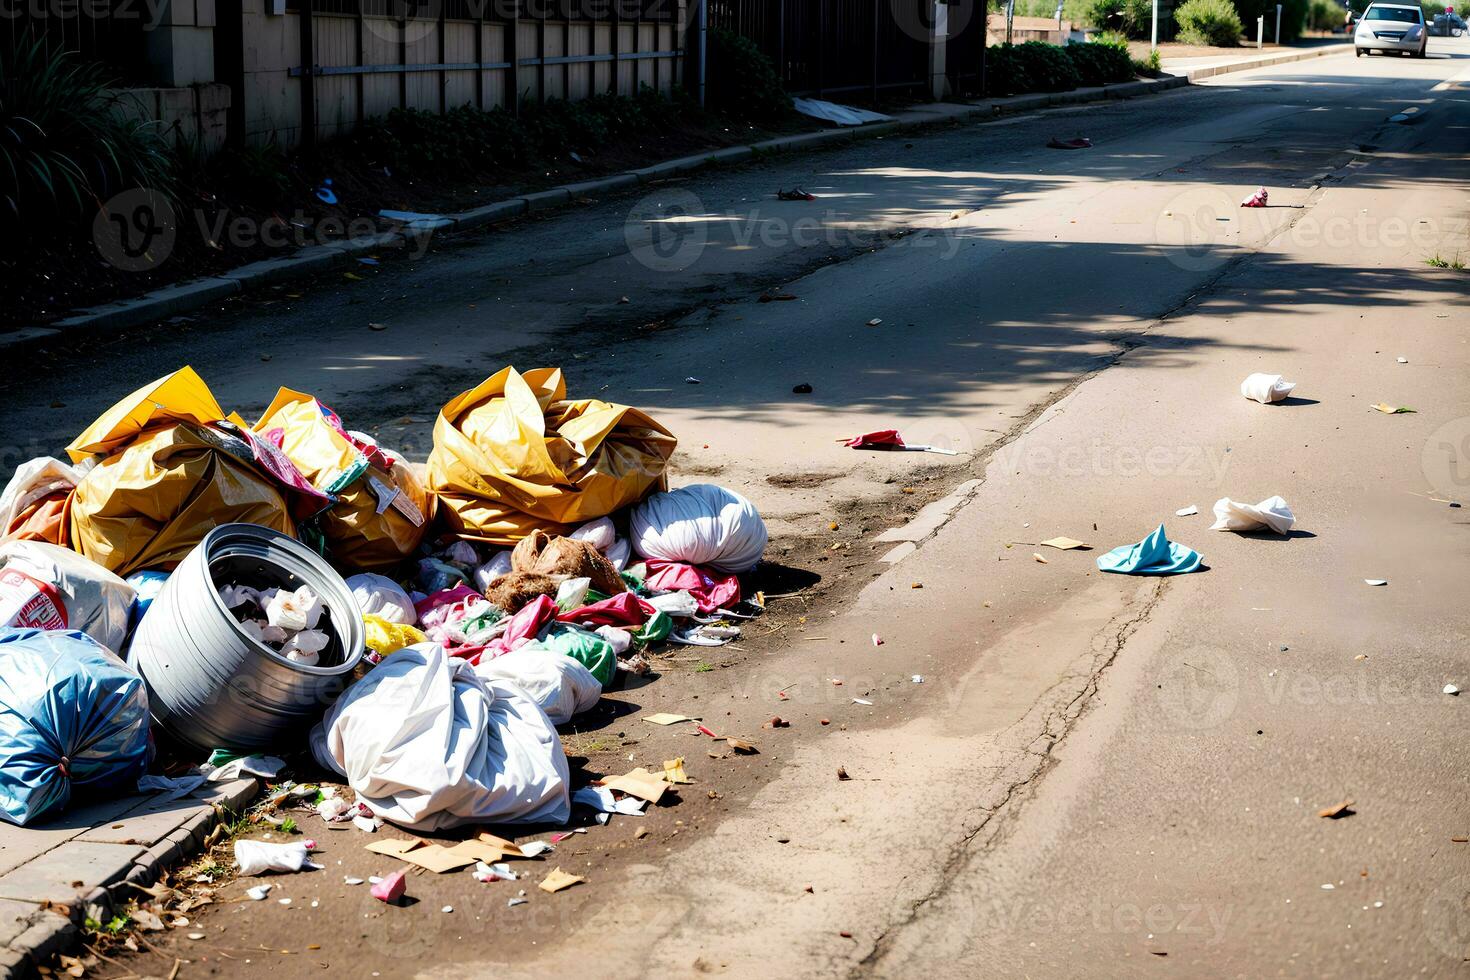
<point>148,505</point>
<point>383,637</point>
<point>164,478</point>
<point>182,396</point>
<point>381,512</point>
<point>514,455</point>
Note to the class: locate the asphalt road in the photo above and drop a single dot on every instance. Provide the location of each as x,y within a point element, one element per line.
<point>1098,775</point>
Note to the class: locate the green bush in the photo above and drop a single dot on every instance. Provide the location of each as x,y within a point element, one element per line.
<point>1031,67</point>
<point>1132,18</point>
<point>740,80</point>
<point>1293,16</point>
<point>1210,22</point>
<point>1099,64</point>
<point>68,142</point>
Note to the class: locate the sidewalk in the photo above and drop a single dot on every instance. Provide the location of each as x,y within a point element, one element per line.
<point>82,866</point>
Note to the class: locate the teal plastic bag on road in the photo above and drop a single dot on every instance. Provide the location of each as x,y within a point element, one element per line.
<point>1154,555</point>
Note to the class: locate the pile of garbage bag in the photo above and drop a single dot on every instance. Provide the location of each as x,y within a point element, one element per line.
<point>293,586</point>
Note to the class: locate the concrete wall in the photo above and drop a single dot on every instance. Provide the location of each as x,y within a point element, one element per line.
<point>191,114</point>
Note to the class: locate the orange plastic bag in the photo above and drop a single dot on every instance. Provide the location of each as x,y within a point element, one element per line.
<point>514,456</point>
<point>381,513</point>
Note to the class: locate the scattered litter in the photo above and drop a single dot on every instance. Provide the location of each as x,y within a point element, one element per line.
<point>890,439</point>
<point>1388,409</point>
<point>325,193</point>
<point>367,261</point>
<point>377,326</point>
<point>1451,689</point>
<point>1270,513</point>
<point>513,902</point>
<point>258,893</point>
<point>778,722</point>
<point>917,679</point>
<point>640,783</point>
<point>741,746</point>
<point>1403,360</point>
<point>1189,511</point>
<point>674,771</point>
<point>801,389</point>
<point>795,194</point>
<point>1343,809</point>
<point>284,901</point>
<point>664,718</point>
<point>1154,555</point>
<point>877,640</point>
<point>257,857</point>
<point>559,879</point>
<point>1375,581</point>
<point>1039,558</point>
<point>1329,886</point>
<point>391,888</point>
<point>349,880</point>
<point>842,774</point>
<point>601,799</point>
<point>1076,143</point>
<point>536,848</point>
<point>1256,200</point>
<point>640,833</point>
<point>862,701</point>
<point>691,380</point>
<point>1064,544</point>
<point>842,115</point>
<point>1266,388</point>
<point>393,846</point>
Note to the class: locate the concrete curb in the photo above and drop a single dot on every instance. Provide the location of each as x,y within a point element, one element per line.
<point>187,297</point>
<point>1197,74</point>
<point>47,931</point>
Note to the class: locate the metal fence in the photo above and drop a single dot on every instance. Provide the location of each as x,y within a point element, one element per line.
<point>836,46</point>
<point>106,31</point>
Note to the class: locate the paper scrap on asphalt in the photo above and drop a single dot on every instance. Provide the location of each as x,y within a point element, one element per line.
<point>1189,511</point>
<point>1039,558</point>
<point>861,701</point>
<point>601,799</point>
<point>1343,809</point>
<point>664,718</point>
<point>559,879</point>
<point>674,771</point>
<point>264,766</point>
<point>1388,409</point>
<point>640,783</point>
<point>393,846</point>
<point>1375,581</point>
<point>1064,544</point>
<point>437,858</point>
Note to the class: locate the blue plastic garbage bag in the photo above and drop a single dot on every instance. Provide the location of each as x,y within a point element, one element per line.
<point>73,717</point>
<point>148,584</point>
<point>1154,555</point>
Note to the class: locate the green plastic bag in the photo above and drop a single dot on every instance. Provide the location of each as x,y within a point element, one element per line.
<point>588,649</point>
<point>658,627</point>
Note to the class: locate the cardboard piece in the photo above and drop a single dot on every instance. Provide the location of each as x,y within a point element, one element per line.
<point>640,783</point>
<point>674,771</point>
<point>559,879</point>
<point>393,846</point>
<point>1064,544</point>
<point>664,718</point>
<point>437,858</point>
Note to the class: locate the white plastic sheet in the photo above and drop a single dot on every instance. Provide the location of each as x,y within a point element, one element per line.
<point>702,525</point>
<point>498,565</point>
<point>1231,515</point>
<point>842,115</point>
<point>559,685</point>
<point>258,856</point>
<point>427,743</point>
<point>379,595</point>
<point>1266,388</point>
<point>34,479</point>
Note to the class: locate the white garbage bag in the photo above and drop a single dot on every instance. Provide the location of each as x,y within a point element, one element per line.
<point>560,685</point>
<point>702,525</point>
<point>1266,388</point>
<point>52,588</point>
<point>1231,515</point>
<point>427,743</point>
<point>258,856</point>
<point>498,565</point>
<point>33,480</point>
<point>601,535</point>
<point>379,595</point>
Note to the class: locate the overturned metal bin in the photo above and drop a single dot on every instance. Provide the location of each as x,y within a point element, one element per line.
<point>210,684</point>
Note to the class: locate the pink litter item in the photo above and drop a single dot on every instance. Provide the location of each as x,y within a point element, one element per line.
<point>437,609</point>
<point>883,437</point>
<point>523,627</point>
<point>877,640</point>
<point>710,590</point>
<point>1256,200</point>
<point>391,888</point>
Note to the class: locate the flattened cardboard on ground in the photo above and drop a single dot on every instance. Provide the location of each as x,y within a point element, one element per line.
<point>480,850</point>
<point>393,846</point>
<point>664,718</point>
<point>559,879</point>
<point>640,783</point>
<point>1064,544</point>
<point>507,848</point>
<point>437,858</point>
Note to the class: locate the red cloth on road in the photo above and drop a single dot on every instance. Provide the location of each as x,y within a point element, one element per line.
<point>883,437</point>
<point>624,609</point>
<point>711,590</point>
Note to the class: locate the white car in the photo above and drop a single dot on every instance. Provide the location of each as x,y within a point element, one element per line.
<point>1392,27</point>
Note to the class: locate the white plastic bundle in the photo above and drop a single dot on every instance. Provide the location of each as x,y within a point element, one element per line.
<point>379,595</point>
<point>701,525</point>
<point>1266,388</point>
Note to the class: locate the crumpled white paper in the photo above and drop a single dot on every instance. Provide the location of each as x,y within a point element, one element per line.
<point>1266,388</point>
<point>1231,515</point>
